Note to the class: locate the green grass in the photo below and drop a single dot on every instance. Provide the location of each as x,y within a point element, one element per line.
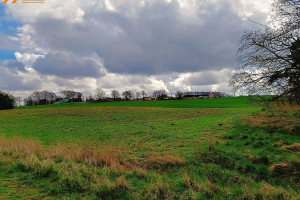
<point>154,127</point>
<point>229,102</point>
<point>12,188</point>
<point>190,149</point>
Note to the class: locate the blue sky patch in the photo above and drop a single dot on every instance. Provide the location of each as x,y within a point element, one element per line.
<point>7,55</point>
<point>8,26</point>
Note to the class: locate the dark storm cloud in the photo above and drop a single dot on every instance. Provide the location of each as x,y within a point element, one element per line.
<point>67,65</point>
<point>157,40</point>
<point>14,65</point>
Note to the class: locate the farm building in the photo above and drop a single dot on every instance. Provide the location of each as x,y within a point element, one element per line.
<point>62,101</point>
<point>148,98</point>
<point>197,95</point>
<point>202,95</point>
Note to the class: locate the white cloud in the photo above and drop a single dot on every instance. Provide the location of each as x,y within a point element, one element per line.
<point>27,58</point>
<point>61,10</point>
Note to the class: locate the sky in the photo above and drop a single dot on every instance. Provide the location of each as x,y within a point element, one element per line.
<point>175,45</point>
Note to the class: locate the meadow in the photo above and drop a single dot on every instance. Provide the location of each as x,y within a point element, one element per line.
<point>225,148</point>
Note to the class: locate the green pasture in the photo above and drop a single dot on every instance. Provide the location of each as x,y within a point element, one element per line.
<point>208,134</point>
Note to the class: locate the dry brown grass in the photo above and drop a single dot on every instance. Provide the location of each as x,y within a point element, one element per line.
<point>158,190</point>
<point>291,148</point>
<point>213,187</point>
<point>191,184</point>
<point>96,155</point>
<point>122,183</point>
<point>282,168</point>
<point>276,116</point>
<point>284,108</point>
<point>101,156</point>
<point>268,120</point>
<point>166,161</point>
<point>269,193</point>
<point>20,146</point>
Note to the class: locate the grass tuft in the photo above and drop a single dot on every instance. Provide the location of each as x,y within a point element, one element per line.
<point>282,169</point>
<point>164,162</point>
<point>291,148</point>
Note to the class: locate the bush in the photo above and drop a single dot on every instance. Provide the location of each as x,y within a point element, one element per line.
<point>6,101</point>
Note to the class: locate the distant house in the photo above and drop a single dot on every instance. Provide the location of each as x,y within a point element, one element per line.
<point>63,101</point>
<point>212,95</point>
<point>172,98</point>
<point>148,98</point>
<point>202,95</point>
<point>196,95</point>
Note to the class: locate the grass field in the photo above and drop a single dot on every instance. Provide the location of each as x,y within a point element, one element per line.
<point>221,148</point>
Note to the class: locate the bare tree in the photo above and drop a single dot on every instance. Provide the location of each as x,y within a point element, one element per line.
<point>138,95</point>
<point>270,58</point>
<point>115,94</point>
<point>127,95</point>
<point>50,97</point>
<point>68,94</point>
<point>99,94</point>
<point>143,93</point>
<point>159,94</point>
<point>179,95</point>
<point>72,95</point>
<point>29,101</point>
<point>18,101</point>
<point>234,89</point>
<point>40,98</point>
<point>89,98</point>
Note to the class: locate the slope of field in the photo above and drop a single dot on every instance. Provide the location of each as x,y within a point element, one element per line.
<point>150,150</point>
<point>228,102</point>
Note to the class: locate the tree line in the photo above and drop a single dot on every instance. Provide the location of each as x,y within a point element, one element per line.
<point>100,95</point>
<point>8,101</point>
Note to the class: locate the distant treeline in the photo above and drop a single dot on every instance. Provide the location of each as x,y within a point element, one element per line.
<point>99,95</point>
